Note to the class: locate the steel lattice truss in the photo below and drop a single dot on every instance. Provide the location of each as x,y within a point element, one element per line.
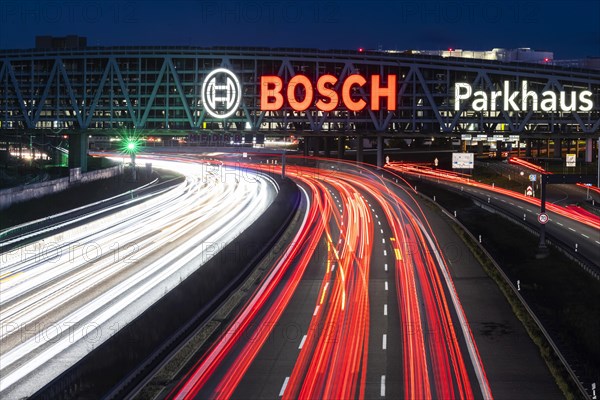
<point>158,89</point>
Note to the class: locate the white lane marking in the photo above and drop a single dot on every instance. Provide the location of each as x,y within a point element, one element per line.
<point>382,240</point>
<point>385,252</point>
<point>560,224</point>
<point>302,342</point>
<point>495,197</point>
<point>597,242</point>
<point>382,392</point>
<point>282,391</point>
<point>512,204</point>
<point>381,231</point>
<point>504,201</point>
<point>385,267</point>
<point>385,309</point>
<point>376,216</point>
<point>585,236</point>
<point>571,229</point>
<point>384,342</point>
<point>520,207</point>
<point>528,210</point>
<point>379,222</point>
<point>386,284</point>
<point>316,310</point>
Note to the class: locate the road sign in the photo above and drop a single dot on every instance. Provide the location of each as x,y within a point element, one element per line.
<point>571,160</point>
<point>529,191</point>
<point>532,177</point>
<point>462,160</point>
<point>543,218</point>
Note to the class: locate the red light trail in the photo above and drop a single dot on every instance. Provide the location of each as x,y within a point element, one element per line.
<point>334,358</point>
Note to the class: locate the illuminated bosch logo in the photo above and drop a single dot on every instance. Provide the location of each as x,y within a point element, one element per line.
<point>221,93</point>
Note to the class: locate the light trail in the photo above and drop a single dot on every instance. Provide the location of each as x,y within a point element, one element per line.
<point>591,220</point>
<point>65,287</point>
<point>333,357</point>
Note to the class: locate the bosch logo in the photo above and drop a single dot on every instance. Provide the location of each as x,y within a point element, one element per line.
<point>221,93</point>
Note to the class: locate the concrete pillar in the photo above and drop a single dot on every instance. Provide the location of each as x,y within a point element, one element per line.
<point>557,148</point>
<point>78,148</point>
<point>327,146</point>
<point>527,147</point>
<point>498,148</point>
<point>359,149</point>
<point>589,150</point>
<point>380,151</point>
<point>341,146</point>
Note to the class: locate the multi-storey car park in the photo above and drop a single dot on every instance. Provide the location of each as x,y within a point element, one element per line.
<point>222,93</point>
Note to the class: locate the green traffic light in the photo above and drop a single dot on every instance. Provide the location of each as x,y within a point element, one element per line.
<point>131,146</point>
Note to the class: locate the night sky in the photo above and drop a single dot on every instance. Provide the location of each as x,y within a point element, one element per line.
<point>571,29</point>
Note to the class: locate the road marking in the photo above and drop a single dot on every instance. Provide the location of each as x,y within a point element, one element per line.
<point>386,284</point>
<point>585,236</point>
<point>528,210</point>
<point>495,197</point>
<point>597,242</point>
<point>382,392</point>
<point>560,224</point>
<point>381,231</point>
<point>504,201</point>
<point>376,216</point>
<point>302,342</point>
<point>379,222</point>
<point>385,267</point>
<point>384,342</point>
<point>512,204</point>
<point>282,391</point>
<point>382,240</point>
<point>316,310</point>
<point>571,229</point>
<point>385,252</point>
<point>520,207</point>
<point>385,309</point>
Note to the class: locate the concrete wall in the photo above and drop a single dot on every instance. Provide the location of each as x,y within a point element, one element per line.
<point>23,193</point>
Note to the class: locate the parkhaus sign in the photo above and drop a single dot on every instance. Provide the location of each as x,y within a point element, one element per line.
<point>222,95</point>
<point>522,100</point>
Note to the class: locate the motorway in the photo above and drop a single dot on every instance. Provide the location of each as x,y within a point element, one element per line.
<point>361,305</point>
<point>575,228</point>
<point>65,293</point>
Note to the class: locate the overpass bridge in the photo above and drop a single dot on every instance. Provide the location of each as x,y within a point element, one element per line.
<point>324,96</point>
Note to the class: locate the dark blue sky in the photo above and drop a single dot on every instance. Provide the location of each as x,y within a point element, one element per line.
<point>569,28</point>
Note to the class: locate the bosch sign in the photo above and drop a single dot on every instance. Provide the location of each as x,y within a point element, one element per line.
<point>222,95</point>
<point>300,94</point>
